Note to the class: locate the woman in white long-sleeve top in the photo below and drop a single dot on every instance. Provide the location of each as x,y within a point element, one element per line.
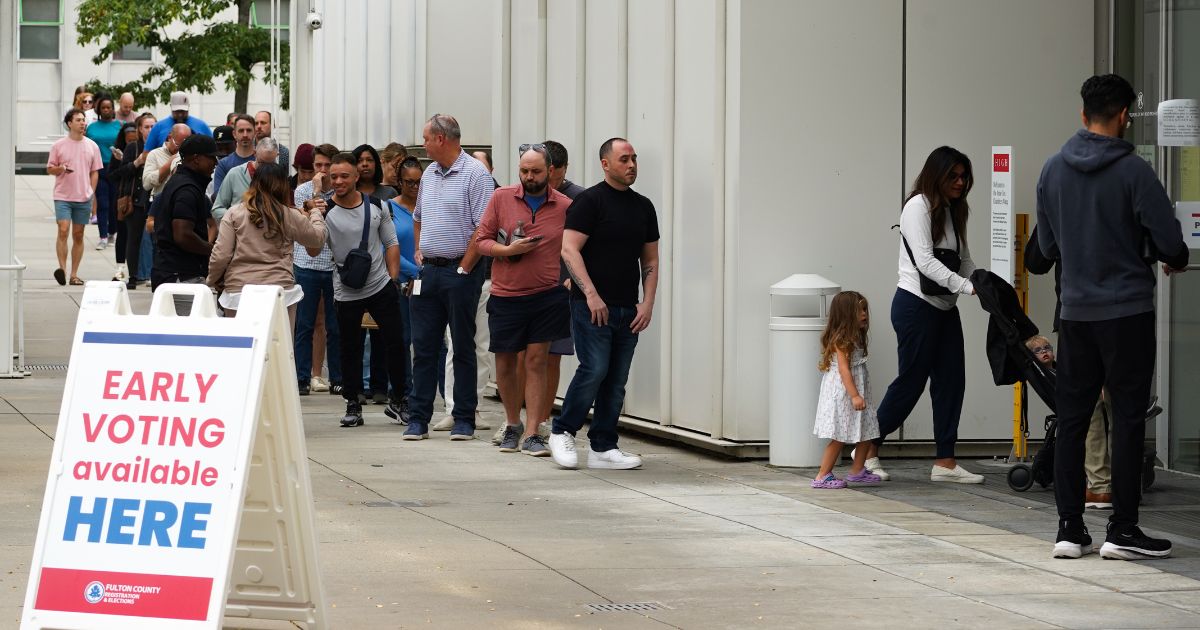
<point>255,238</point>
<point>934,267</point>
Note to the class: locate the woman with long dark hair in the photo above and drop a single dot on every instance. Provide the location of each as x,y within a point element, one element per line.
<point>255,239</point>
<point>935,264</point>
<point>129,184</point>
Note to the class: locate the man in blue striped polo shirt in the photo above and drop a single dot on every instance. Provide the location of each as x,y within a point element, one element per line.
<point>455,189</point>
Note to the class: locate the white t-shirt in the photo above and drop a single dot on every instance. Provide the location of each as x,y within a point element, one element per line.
<point>916,226</point>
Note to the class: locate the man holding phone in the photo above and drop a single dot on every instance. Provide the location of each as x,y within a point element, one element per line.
<point>528,306</point>
<point>75,164</point>
<point>314,274</point>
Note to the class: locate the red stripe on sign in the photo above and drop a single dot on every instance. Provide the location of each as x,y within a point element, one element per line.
<point>124,594</point>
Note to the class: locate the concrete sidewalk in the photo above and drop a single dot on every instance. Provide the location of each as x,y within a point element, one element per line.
<point>456,535</point>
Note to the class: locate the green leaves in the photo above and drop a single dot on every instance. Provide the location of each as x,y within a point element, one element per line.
<point>207,54</point>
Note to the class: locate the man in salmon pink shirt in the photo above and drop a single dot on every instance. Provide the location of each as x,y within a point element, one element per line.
<point>75,164</point>
<point>528,307</point>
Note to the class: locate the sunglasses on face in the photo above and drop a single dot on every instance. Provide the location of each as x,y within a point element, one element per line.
<point>87,101</point>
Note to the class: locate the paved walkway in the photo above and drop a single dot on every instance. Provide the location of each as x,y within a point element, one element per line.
<point>441,534</point>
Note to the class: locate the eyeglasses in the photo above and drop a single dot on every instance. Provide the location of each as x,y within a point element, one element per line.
<point>539,147</point>
<point>1042,349</point>
<point>952,178</point>
<point>411,182</point>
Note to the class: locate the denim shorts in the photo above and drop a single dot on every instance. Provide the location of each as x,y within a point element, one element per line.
<point>77,212</point>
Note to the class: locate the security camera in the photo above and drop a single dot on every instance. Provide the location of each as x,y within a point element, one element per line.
<point>314,20</point>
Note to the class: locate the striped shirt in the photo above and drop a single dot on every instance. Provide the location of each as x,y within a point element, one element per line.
<point>300,257</point>
<point>450,205</point>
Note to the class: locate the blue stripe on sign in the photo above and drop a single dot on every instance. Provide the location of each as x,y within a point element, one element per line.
<point>150,339</point>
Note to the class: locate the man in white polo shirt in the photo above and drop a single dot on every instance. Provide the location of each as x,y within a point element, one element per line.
<point>455,189</point>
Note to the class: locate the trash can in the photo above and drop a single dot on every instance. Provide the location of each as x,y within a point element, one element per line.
<point>799,308</point>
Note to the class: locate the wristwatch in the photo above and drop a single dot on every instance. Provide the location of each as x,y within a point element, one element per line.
<point>461,271</point>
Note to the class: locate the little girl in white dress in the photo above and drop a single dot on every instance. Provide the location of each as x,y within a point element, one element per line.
<point>844,411</point>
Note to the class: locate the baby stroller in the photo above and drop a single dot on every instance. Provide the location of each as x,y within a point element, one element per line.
<point>1011,361</point>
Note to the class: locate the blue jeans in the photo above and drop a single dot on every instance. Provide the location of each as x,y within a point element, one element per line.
<point>931,349</point>
<point>446,298</point>
<point>605,354</point>
<point>106,213</point>
<point>146,257</point>
<point>318,289</point>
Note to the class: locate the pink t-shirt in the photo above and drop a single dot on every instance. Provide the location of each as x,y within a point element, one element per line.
<point>82,157</point>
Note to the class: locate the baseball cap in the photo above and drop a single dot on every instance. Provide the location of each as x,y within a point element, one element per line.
<point>179,101</point>
<point>304,156</point>
<point>198,144</point>
<point>224,133</point>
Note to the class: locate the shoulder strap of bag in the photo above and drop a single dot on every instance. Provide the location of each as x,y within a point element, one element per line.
<point>366,233</point>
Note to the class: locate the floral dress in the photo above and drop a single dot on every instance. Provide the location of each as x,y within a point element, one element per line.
<point>836,417</point>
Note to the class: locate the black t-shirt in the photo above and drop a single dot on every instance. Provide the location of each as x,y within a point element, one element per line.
<point>182,198</point>
<point>618,224</point>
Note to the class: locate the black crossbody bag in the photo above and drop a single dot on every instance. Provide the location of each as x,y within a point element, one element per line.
<point>948,257</point>
<point>355,269</point>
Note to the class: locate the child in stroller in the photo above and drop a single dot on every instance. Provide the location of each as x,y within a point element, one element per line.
<point>1013,360</point>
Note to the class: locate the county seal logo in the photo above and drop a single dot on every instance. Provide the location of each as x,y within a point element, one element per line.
<point>94,592</point>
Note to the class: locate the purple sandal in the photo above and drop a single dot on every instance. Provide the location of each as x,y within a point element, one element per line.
<point>829,482</point>
<point>865,477</point>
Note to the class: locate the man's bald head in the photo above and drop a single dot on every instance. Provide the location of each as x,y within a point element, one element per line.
<point>179,133</point>
<point>126,102</point>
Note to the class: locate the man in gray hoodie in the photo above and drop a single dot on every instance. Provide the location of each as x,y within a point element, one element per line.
<point>1103,213</point>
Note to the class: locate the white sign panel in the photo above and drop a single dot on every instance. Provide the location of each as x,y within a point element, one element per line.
<point>1179,123</point>
<point>1002,213</point>
<point>1188,213</point>
<point>146,484</point>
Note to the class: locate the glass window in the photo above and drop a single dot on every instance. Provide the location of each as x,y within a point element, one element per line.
<point>40,22</point>
<point>132,52</point>
<point>260,17</point>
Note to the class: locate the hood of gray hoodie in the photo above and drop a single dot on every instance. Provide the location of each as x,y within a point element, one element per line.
<point>1088,152</point>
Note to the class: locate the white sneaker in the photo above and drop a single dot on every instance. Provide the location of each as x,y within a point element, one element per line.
<point>445,424</point>
<point>102,244</point>
<point>562,449</point>
<point>318,384</point>
<point>613,459</point>
<point>481,424</point>
<point>957,475</point>
<point>122,274</point>
<point>498,436</point>
<point>873,466</point>
<point>544,429</point>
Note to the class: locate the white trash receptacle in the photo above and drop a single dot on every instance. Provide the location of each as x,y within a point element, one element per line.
<point>798,314</point>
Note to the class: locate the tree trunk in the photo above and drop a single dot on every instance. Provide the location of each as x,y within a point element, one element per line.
<point>241,94</point>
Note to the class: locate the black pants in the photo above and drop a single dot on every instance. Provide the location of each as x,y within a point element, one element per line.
<point>930,349</point>
<point>1117,354</point>
<point>384,307</point>
<point>135,228</point>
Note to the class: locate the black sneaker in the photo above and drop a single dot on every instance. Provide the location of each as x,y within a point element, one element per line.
<point>303,388</point>
<point>335,389</point>
<point>1129,543</point>
<point>353,417</point>
<point>1073,540</point>
<point>397,410</point>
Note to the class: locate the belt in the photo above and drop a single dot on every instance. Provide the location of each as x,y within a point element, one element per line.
<point>443,262</point>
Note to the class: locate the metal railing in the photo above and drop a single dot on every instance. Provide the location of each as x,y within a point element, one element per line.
<point>18,369</point>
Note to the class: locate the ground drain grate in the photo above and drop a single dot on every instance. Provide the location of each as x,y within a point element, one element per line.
<point>46,367</point>
<point>634,607</point>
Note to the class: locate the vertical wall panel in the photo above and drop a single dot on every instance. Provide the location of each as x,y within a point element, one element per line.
<point>605,54</point>
<point>984,73</point>
<point>818,170</point>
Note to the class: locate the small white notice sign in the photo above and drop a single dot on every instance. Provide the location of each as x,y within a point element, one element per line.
<point>1002,213</point>
<point>1188,213</point>
<point>1179,123</point>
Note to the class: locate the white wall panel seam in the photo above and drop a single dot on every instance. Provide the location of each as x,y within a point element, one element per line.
<point>676,226</point>
<point>730,166</point>
<point>666,242</point>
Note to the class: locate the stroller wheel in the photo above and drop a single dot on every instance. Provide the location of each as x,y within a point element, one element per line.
<point>1020,477</point>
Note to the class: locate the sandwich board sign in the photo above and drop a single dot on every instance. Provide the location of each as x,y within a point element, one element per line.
<point>178,491</point>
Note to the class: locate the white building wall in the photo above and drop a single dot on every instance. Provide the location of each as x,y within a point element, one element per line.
<point>777,137</point>
<point>45,89</point>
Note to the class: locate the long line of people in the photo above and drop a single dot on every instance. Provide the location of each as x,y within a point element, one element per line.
<point>416,275</point>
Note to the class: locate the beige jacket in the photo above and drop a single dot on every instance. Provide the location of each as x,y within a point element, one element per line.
<point>243,255</point>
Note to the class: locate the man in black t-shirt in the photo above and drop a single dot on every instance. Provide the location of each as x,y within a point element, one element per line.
<point>184,225</point>
<point>610,245</point>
